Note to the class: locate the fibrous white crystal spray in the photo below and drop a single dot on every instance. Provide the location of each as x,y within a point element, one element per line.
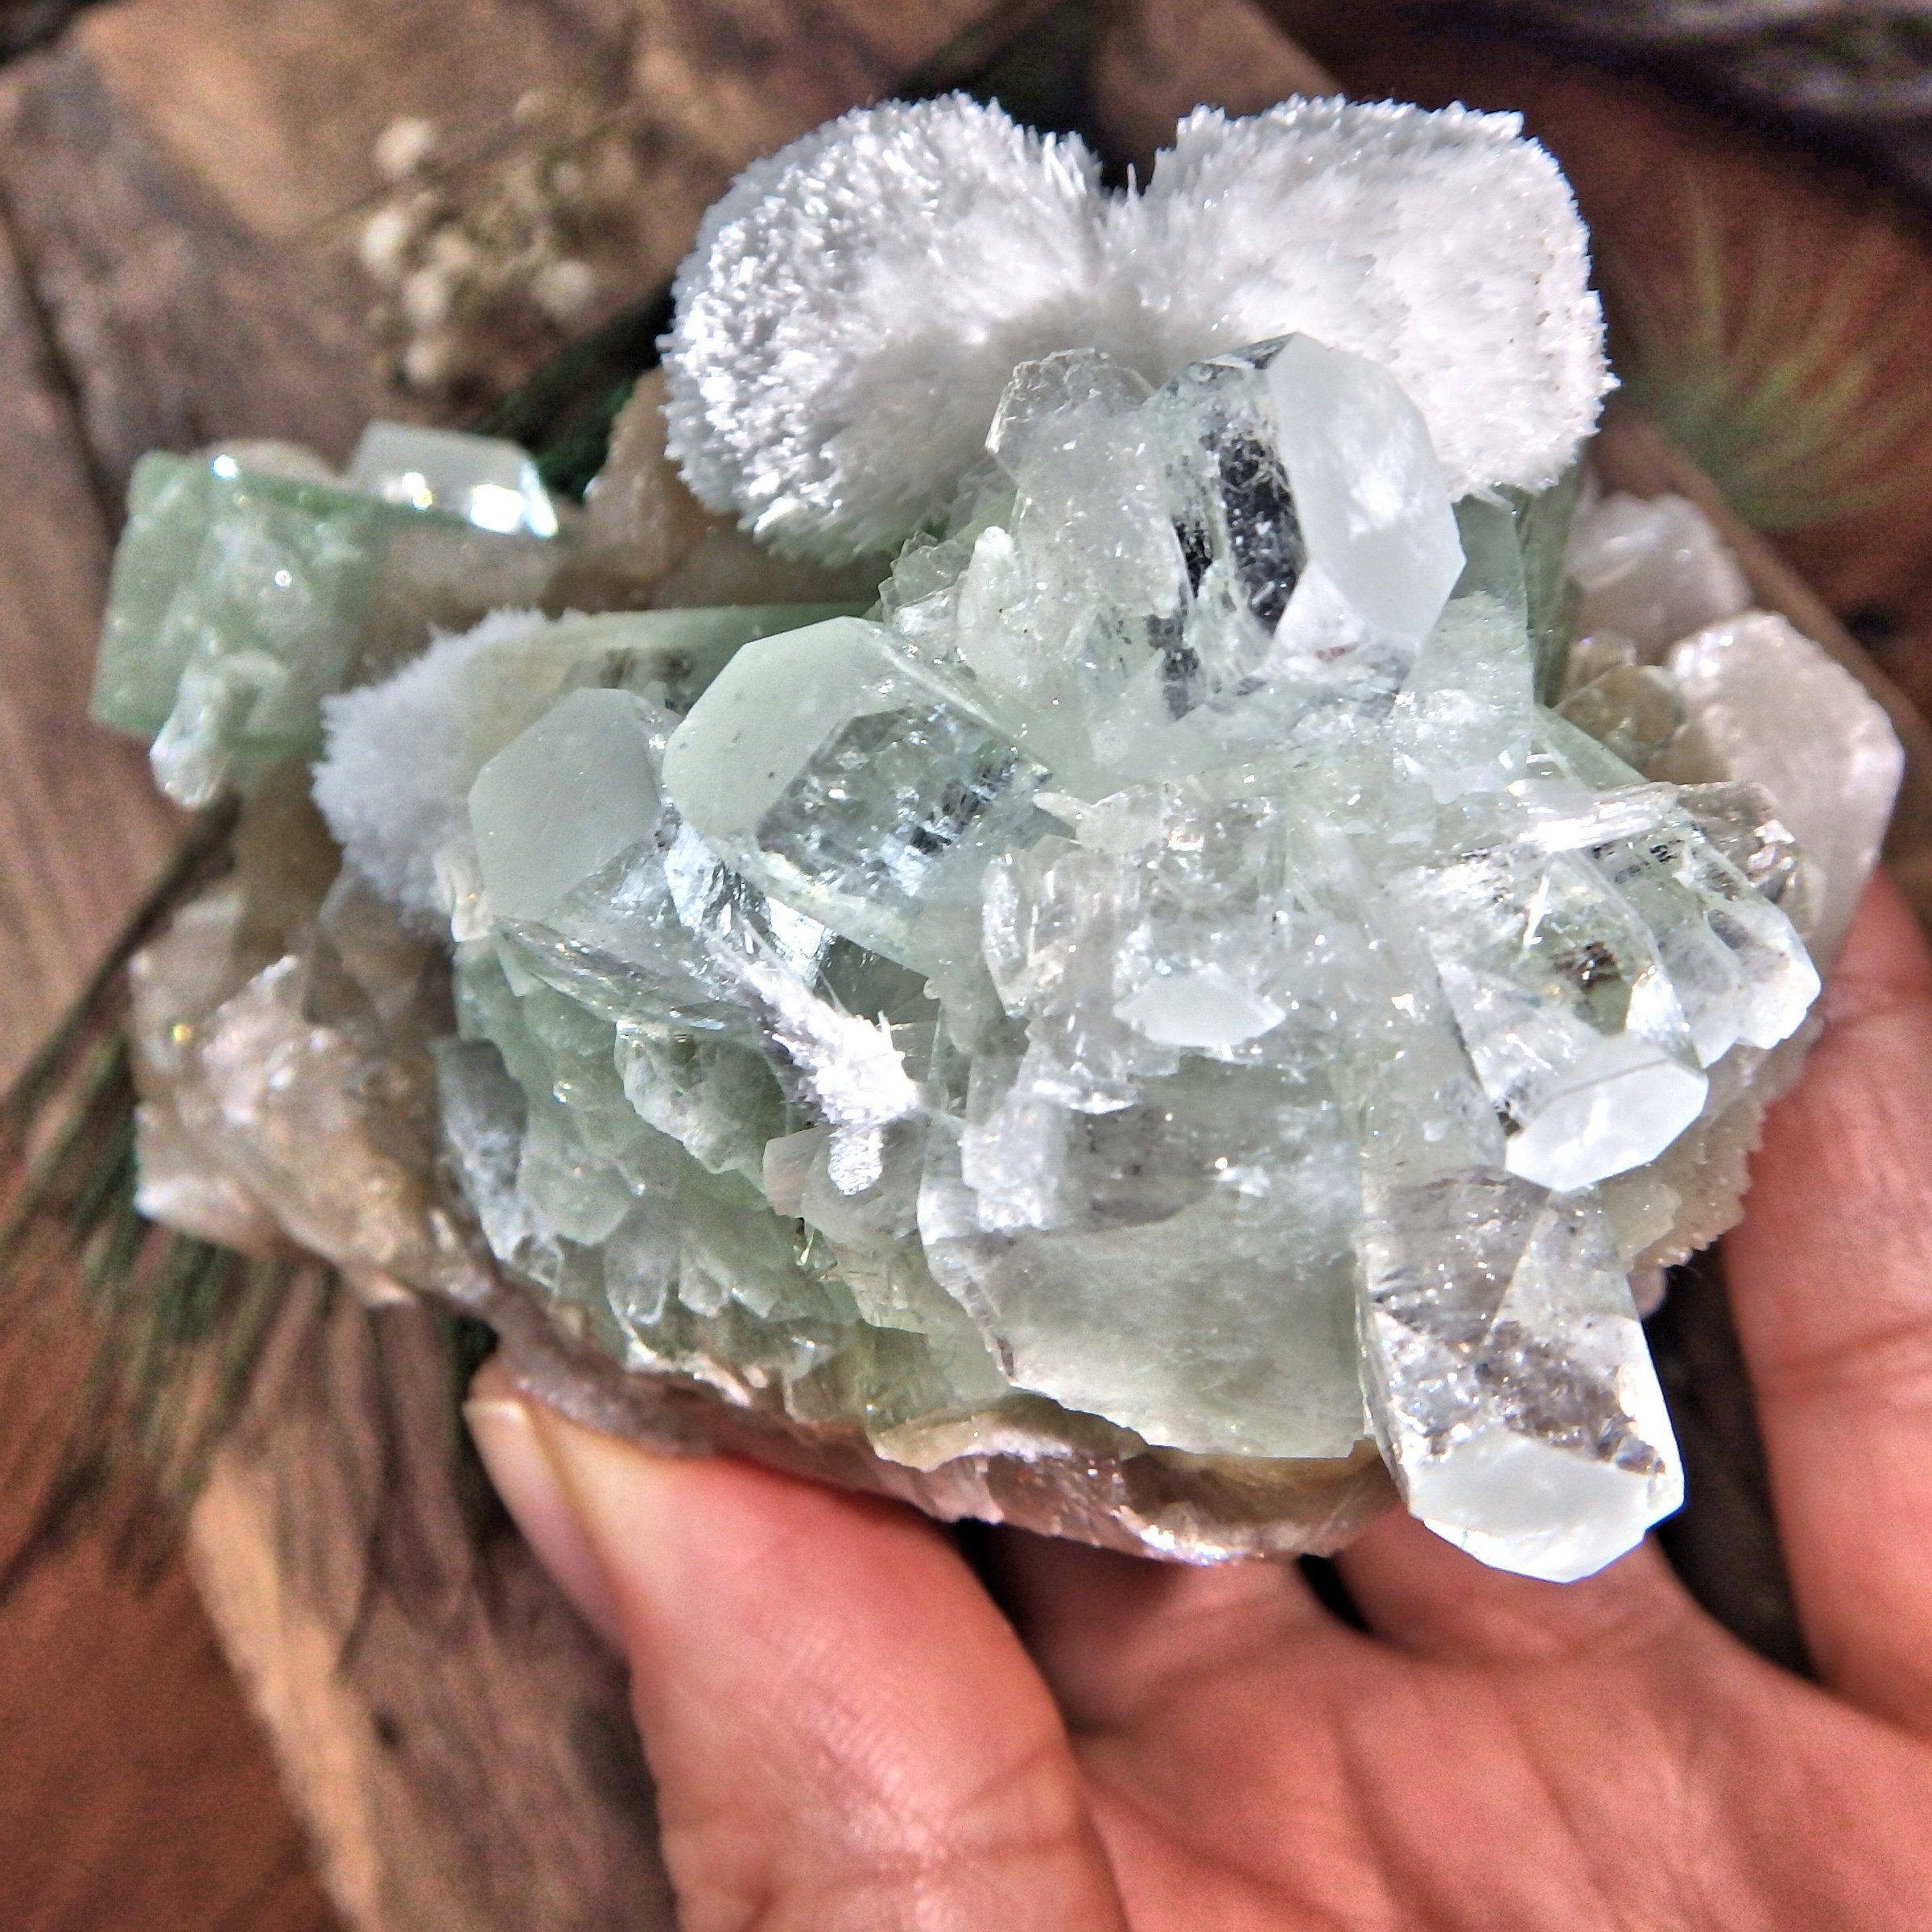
<point>855,306</point>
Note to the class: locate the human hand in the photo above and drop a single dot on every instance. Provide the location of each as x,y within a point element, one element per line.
<point>848,1733</point>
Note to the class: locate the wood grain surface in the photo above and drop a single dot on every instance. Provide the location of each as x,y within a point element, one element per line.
<point>181,182</point>
<point>136,1790</point>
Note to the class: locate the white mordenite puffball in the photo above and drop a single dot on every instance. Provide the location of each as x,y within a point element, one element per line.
<point>856,303</point>
<point>394,780</point>
<point>1445,247</point>
<point>855,306</point>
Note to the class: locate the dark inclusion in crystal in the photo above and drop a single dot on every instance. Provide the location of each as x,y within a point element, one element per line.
<point>1181,680</point>
<point>1259,534</point>
<point>1264,541</point>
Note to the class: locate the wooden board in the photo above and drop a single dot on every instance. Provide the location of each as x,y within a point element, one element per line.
<point>82,829</point>
<point>135,1789</point>
<point>137,1793</point>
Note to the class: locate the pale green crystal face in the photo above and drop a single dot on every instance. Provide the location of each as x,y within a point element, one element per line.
<point>607,1163</point>
<point>240,600</point>
<point>483,480</point>
<point>283,568</point>
<point>564,800</point>
<point>871,795</point>
<point>1165,961</point>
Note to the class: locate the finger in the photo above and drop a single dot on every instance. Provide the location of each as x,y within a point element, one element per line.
<point>1422,1594</point>
<point>845,1732</point>
<point>1115,1635</point>
<point>1830,1281</point>
<point>502,1426</point>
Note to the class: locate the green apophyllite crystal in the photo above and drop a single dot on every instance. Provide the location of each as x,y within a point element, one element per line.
<point>240,599</point>
<point>872,798</point>
<point>1228,976</point>
<point>565,799</point>
<point>669,1248</point>
<point>483,480</point>
<point>1159,989</point>
<point>279,570</point>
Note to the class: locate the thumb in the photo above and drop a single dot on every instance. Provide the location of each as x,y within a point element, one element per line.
<point>844,1732</point>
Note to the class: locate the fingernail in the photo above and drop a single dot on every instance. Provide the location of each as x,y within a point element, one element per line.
<point>629,1505</point>
<point>512,1447</point>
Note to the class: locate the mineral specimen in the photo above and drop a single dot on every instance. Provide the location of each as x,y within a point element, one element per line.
<point>1206,972</point>
<point>1164,962</point>
<point>1734,674</point>
<point>855,304</point>
<point>241,597</point>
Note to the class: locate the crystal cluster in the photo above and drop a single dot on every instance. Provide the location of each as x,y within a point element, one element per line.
<point>250,584</point>
<point>856,303</point>
<point>1163,961</point>
<point>1230,972</point>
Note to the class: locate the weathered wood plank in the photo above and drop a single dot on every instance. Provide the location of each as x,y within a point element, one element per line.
<point>82,830</point>
<point>136,1791</point>
<point>459,1741</point>
<point>185,175</point>
<point>178,324</point>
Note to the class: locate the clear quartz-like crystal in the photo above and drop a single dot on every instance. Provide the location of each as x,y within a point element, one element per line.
<point>1324,958</point>
<point>1310,1019</point>
<point>562,800</point>
<point>484,480</point>
<point>1382,540</point>
<point>847,781</point>
<point>1512,1393</point>
<point>1570,1017</point>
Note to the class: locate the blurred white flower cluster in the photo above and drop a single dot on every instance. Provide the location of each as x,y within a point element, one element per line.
<point>483,267</point>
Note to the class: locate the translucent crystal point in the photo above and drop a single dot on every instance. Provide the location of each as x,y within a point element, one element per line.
<point>1740,820</point>
<point>1507,1375</point>
<point>1571,1019</point>
<point>850,781</point>
<point>486,481</point>
<point>1381,534</point>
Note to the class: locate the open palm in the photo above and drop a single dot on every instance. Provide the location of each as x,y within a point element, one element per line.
<point>847,1732</point>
